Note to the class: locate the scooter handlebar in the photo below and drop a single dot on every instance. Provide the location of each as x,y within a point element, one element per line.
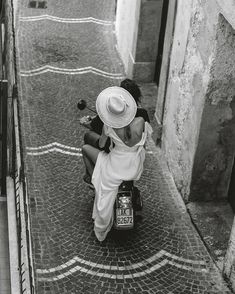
<point>82,104</point>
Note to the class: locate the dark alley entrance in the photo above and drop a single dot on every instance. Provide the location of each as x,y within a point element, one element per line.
<point>161,41</point>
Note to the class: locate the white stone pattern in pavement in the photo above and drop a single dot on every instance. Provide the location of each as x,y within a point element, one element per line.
<point>70,71</point>
<point>111,271</point>
<point>57,147</point>
<point>54,147</point>
<point>66,20</point>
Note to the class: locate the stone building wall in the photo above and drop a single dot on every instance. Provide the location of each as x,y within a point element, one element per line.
<point>216,145</point>
<point>138,25</point>
<point>127,20</point>
<point>191,81</point>
<point>9,75</point>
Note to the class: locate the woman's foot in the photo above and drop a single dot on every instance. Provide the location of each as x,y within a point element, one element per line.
<point>87,180</point>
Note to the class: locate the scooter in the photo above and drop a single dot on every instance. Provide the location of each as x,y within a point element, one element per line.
<point>128,203</point>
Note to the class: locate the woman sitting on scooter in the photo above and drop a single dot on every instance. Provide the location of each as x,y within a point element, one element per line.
<point>95,124</point>
<point>117,110</point>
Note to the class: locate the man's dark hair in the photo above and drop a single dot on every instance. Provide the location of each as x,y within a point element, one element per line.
<point>132,88</point>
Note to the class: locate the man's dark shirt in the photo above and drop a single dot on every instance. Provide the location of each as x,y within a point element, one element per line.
<point>97,124</point>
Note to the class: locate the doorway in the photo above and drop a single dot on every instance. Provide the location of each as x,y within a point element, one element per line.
<point>161,41</point>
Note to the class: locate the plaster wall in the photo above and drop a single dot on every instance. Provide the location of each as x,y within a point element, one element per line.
<point>138,25</point>
<point>192,58</point>
<point>127,20</point>
<point>216,145</point>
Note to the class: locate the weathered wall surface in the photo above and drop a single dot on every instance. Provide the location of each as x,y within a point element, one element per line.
<point>187,83</point>
<point>127,21</point>
<point>216,145</point>
<point>138,25</point>
<point>194,50</point>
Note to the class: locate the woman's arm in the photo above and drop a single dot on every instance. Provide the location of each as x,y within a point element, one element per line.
<point>103,139</point>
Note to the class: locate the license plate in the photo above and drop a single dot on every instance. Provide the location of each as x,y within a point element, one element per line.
<point>124,216</point>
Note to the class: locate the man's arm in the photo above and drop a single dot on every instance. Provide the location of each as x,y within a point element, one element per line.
<point>86,121</point>
<point>97,125</point>
<point>103,139</point>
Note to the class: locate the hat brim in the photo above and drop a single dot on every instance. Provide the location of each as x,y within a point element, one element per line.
<point>111,119</point>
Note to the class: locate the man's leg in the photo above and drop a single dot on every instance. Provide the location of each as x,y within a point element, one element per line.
<point>92,138</point>
<point>90,155</point>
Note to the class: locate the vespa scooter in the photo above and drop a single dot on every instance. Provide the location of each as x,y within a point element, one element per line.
<point>128,203</point>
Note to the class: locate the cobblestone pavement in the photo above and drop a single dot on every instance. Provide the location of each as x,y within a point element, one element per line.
<point>66,52</point>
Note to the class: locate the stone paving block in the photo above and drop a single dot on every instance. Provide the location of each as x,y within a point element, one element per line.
<point>55,51</point>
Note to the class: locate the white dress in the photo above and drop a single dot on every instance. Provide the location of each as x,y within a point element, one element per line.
<point>123,163</point>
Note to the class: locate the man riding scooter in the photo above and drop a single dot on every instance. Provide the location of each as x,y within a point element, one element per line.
<point>95,124</point>
<point>117,110</point>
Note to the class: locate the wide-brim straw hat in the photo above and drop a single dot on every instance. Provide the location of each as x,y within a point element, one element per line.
<point>116,107</point>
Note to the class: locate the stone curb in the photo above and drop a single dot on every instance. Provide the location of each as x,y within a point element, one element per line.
<point>12,233</point>
<point>165,170</point>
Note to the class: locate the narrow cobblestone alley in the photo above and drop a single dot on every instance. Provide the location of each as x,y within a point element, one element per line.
<point>67,52</point>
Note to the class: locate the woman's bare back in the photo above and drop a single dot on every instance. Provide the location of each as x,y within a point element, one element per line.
<point>131,134</point>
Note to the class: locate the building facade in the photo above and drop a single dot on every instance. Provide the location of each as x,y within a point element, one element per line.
<point>138,26</point>
<point>198,111</point>
<point>195,103</point>
<point>195,109</point>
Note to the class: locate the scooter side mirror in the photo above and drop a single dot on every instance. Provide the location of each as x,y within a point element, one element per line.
<point>81,104</point>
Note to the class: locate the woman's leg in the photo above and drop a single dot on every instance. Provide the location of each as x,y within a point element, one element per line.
<point>90,155</point>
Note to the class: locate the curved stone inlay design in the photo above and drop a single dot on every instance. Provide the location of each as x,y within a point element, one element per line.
<point>57,147</point>
<point>110,271</point>
<point>70,71</point>
<point>66,20</point>
<point>54,147</point>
